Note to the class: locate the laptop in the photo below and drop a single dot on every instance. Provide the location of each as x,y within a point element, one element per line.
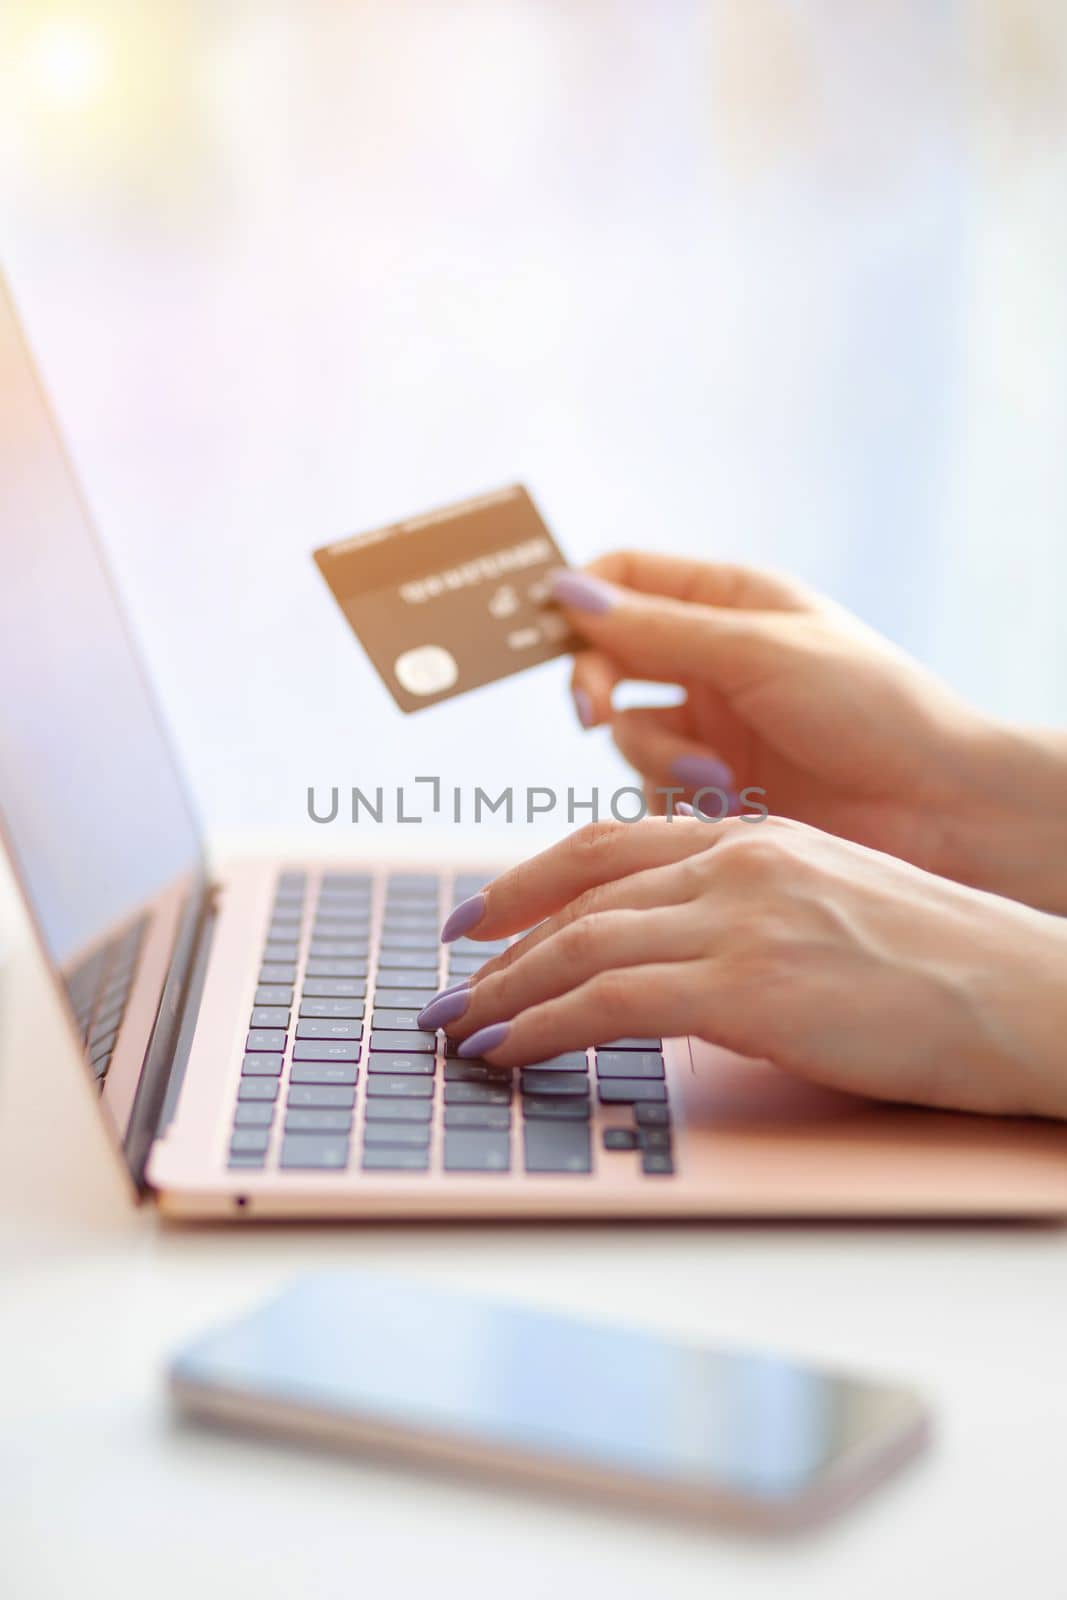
<point>252,1033</point>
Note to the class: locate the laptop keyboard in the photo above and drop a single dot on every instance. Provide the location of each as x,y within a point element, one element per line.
<point>99,988</point>
<point>337,1076</point>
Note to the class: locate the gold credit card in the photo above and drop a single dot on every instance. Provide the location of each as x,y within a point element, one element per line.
<point>448,601</point>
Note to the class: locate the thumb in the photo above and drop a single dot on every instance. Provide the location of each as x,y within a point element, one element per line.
<point>653,636</point>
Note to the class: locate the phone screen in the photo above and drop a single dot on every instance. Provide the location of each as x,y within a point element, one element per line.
<point>611,1401</point>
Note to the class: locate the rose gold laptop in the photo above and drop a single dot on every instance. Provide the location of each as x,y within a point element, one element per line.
<point>254,1036</point>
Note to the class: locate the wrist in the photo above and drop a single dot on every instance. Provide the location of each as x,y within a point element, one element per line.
<point>1008,834</point>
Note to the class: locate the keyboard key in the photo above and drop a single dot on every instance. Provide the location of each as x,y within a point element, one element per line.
<point>477,1072</point>
<point>398,1111</point>
<point>335,988</point>
<point>411,1066</point>
<point>554,1083</point>
<point>253,1114</point>
<point>390,1019</point>
<point>426,923</point>
<point>652,1116</point>
<point>333,968</point>
<point>625,1091</point>
<point>353,1009</point>
<point>346,878</point>
<point>398,1087</point>
<point>341,922</point>
<point>629,1064</point>
<point>324,1072</point>
<point>326,1152</point>
<point>498,1117</point>
<point>545,1108</point>
<point>389,999</point>
<point>265,1039</point>
<point>329,1028</point>
<point>476,947</point>
<point>277,972</point>
<point>557,1147</point>
<point>620,1139</point>
<point>476,1150</point>
<point>261,1066</point>
<point>415,960</point>
<point>350,908</point>
<point>404,978</point>
<point>332,948</point>
<point>630,1044</point>
<point>105,1046</point>
<point>404,884</point>
<point>657,1163</point>
<point>573,1061</point>
<point>333,1097</point>
<point>655,1138</point>
<point>383,1159</point>
<point>274,994</point>
<point>258,1089</point>
<point>463,966</point>
<point>412,1134</point>
<point>341,930</point>
<point>246,1158</point>
<point>467,883</point>
<point>326,1050</point>
<point>250,1141</point>
<point>477,1094</point>
<point>399,940</point>
<point>270,1017</point>
<point>317,1121</point>
<point>286,921</point>
<point>107,1022</point>
<point>289,951</point>
<point>414,1043</point>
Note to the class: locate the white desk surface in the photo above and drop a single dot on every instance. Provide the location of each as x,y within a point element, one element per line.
<point>102,1490</point>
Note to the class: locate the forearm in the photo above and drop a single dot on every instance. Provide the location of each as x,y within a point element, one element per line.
<point>1013,840</point>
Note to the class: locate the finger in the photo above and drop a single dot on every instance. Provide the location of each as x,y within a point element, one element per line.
<point>666,758</point>
<point>639,891</point>
<point>663,1000</point>
<point>669,640</point>
<point>712,583</point>
<point>592,680</point>
<point>570,956</point>
<point>597,853</point>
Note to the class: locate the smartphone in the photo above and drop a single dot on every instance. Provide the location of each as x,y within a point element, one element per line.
<point>382,1363</point>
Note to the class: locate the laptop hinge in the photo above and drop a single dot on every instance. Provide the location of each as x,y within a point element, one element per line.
<point>168,1050</point>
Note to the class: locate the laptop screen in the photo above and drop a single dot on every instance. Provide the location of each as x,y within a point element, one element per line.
<point>93,804</point>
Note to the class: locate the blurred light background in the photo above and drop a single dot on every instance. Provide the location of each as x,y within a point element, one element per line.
<point>778,280</point>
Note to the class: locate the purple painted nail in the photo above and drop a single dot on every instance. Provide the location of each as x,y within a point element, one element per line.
<point>702,772</point>
<point>715,803</point>
<point>582,592</point>
<point>463,918</point>
<point>486,1039</point>
<point>584,708</point>
<point>445,1008</point>
<point>682,808</point>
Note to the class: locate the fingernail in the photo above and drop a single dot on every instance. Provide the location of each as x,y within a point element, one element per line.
<point>718,804</point>
<point>702,772</point>
<point>584,708</point>
<point>463,918</point>
<point>581,591</point>
<point>684,809</point>
<point>486,1039</point>
<point>445,1007</point>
